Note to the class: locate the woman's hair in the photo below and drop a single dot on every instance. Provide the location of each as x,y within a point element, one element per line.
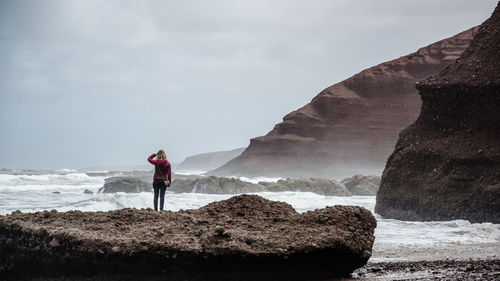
<point>161,154</point>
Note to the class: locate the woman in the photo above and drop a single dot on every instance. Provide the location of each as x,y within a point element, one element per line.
<point>162,177</point>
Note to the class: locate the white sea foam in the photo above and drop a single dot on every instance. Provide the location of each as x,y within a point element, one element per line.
<point>247,179</point>
<point>258,179</point>
<point>67,171</point>
<point>97,171</point>
<point>7,180</point>
<point>190,172</point>
<point>438,232</point>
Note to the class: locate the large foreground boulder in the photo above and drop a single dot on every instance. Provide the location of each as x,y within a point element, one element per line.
<point>243,238</point>
<point>316,185</point>
<point>447,164</point>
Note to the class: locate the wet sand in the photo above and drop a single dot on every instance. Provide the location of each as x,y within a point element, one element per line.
<point>429,270</point>
<point>441,262</point>
<point>458,251</point>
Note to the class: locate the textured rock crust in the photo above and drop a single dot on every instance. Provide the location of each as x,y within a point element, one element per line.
<point>243,238</point>
<point>354,123</point>
<point>447,164</point>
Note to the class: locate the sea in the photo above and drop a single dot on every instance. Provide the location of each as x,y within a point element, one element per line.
<point>63,190</point>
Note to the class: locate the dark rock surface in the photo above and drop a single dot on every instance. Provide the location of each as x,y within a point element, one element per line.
<point>243,238</point>
<point>208,161</point>
<point>214,185</point>
<point>126,184</point>
<point>86,191</point>
<point>315,185</point>
<point>354,123</point>
<point>362,185</point>
<point>447,164</point>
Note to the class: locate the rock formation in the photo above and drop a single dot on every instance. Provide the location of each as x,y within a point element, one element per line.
<point>243,238</point>
<point>362,185</point>
<point>207,161</point>
<point>354,123</point>
<point>446,165</point>
<point>356,185</point>
<point>126,184</point>
<point>315,185</point>
<point>214,185</point>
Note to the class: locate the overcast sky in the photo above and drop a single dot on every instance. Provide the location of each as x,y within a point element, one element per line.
<point>88,83</point>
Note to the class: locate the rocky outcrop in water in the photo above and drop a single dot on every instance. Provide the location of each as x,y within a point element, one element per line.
<point>447,164</point>
<point>243,238</point>
<point>362,185</point>
<point>354,123</point>
<point>214,185</point>
<point>315,185</point>
<point>127,184</point>
<point>356,185</point>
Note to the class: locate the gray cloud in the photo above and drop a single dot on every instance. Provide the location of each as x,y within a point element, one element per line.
<point>107,82</point>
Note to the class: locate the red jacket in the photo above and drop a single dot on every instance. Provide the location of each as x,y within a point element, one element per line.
<point>162,168</point>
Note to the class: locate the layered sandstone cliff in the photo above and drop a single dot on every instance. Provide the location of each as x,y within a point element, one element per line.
<point>354,123</point>
<point>447,164</point>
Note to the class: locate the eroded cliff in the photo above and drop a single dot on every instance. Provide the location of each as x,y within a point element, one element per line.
<point>447,164</point>
<point>354,123</point>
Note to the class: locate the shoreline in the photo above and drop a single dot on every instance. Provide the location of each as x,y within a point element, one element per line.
<point>416,253</point>
<point>414,262</point>
<point>472,269</point>
<point>418,262</point>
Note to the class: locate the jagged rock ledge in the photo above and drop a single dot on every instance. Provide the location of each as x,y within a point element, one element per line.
<point>245,237</point>
<point>362,185</point>
<point>214,185</point>
<point>356,185</point>
<point>316,185</point>
<point>125,184</point>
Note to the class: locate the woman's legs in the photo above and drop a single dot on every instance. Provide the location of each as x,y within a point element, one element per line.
<point>155,197</point>
<point>162,197</point>
<point>159,190</point>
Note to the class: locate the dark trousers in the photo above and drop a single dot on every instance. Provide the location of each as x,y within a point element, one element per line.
<point>159,188</point>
